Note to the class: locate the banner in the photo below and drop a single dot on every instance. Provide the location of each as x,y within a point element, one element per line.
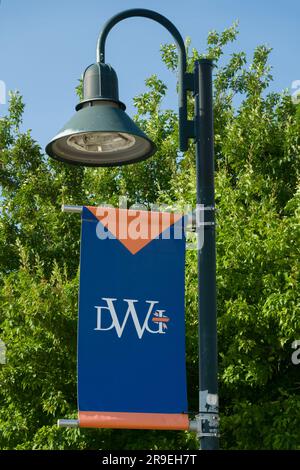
<point>131,329</point>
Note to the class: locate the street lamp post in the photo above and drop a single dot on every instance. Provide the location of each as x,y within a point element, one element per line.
<point>102,134</point>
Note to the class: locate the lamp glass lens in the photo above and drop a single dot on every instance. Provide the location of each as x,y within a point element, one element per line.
<point>101,141</point>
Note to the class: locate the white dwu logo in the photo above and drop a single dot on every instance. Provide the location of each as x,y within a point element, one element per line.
<point>109,309</point>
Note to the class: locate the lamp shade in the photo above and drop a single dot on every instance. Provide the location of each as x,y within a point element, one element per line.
<point>100,133</point>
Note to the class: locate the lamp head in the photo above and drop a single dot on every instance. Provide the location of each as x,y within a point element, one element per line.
<point>100,133</point>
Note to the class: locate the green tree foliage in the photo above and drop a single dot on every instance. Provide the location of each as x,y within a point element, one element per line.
<point>257,149</point>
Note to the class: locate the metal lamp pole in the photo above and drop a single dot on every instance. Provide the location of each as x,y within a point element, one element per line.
<point>208,356</point>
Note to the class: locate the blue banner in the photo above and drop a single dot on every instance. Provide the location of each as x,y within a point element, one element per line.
<point>131,330</point>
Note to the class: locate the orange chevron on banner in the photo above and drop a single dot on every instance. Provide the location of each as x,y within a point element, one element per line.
<point>134,228</point>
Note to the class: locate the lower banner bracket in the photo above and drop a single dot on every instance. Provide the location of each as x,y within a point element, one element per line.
<point>206,425</point>
<point>68,423</point>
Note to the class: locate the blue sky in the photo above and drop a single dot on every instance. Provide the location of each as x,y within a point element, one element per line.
<point>46,45</point>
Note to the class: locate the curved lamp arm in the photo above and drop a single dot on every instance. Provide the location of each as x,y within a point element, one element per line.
<point>186,128</point>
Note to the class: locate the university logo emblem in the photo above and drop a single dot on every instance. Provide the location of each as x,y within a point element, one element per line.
<point>107,317</point>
